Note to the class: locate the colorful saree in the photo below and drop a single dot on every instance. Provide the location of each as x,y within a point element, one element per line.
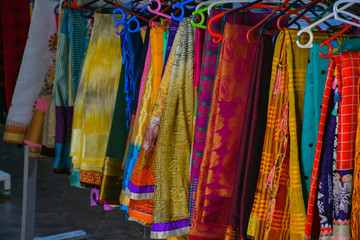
<point>314,89</point>
<point>36,58</point>
<point>173,146</point>
<point>252,139</point>
<point>348,76</point>
<point>355,210</point>
<point>147,102</point>
<point>217,173</point>
<point>70,52</point>
<point>207,76</point>
<point>95,100</point>
<point>141,184</point>
<point>110,188</point>
<point>278,202</point>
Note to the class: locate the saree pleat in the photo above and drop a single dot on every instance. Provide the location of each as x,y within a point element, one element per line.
<point>94,105</point>
<point>173,146</point>
<point>147,102</point>
<point>35,62</point>
<point>141,184</point>
<point>278,202</point>
<point>70,53</point>
<point>314,89</point>
<point>230,93</point>
<point>110,187</point>
<point>252,139</point>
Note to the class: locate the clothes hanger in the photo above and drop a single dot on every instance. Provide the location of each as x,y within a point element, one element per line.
<point>296,11</point>
<point>134,19</point>
<point>181,6</point>
<point>200,11</point>
<point>246,7</point>
<point>309,32</point>
<point>73,5</point>
<point>337,11</point>
<point>278,8</point>
<point>165,9</point>
<point>157,10</point>
<point>130,12</point>
<point>123,14</point>
<point>328,41</point>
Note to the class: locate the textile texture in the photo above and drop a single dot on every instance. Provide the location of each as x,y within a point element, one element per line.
<point>210,58</point>
<point>94,105</point>
<point>110,188</point>
<point>70,53</point>
<point>35,62</point>
<point>278,202</point>
<point>13,15</point>
<point>252,139</point>
<point>141,184</point>
<point>217,173</point>
<point>314,89</point>
<point>173,147</point>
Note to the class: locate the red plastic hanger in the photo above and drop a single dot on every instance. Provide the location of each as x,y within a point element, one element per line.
<point>328,41</point>
<point>297,11</point>
<point>73,5</point>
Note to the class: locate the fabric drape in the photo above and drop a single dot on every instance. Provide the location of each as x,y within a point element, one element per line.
<point>94,105</point>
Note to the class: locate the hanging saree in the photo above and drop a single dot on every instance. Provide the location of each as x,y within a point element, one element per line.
<point>141,184</point>
<point>48,138</point>
<point>355,208</point>
<point>278,202</point>
<point>325,199</point>
<point>314,89</point>
<point>95,100</point>
<point>110,188</point>
<point>173,146</point>
<point>34,134</point>
<point>252,138</point>
<point>309,232</point>
<point>348,76</point>
<point>208,69</point>
<point>70,52</point>
<point>218,166</point>
<point>32,73</point>
<point>14,25</point>
<point>148,99</point>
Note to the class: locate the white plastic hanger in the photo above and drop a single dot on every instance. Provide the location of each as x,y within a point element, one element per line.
<point>337,11</point>
<point>308,29</point>
<point>204,4</point>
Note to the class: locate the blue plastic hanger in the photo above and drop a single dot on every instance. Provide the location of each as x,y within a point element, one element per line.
<point>135,19</point>
<point>181,6</point>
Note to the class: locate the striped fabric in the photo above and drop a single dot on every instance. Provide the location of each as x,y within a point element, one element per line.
<point>278,202</point>
<point>355,208</point>
<point>347,73</point>
<point>343,182</point>
<point>315,173</point>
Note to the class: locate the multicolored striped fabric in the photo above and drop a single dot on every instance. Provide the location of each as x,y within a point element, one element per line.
<point>314,89</point>
<point>278,202</point>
